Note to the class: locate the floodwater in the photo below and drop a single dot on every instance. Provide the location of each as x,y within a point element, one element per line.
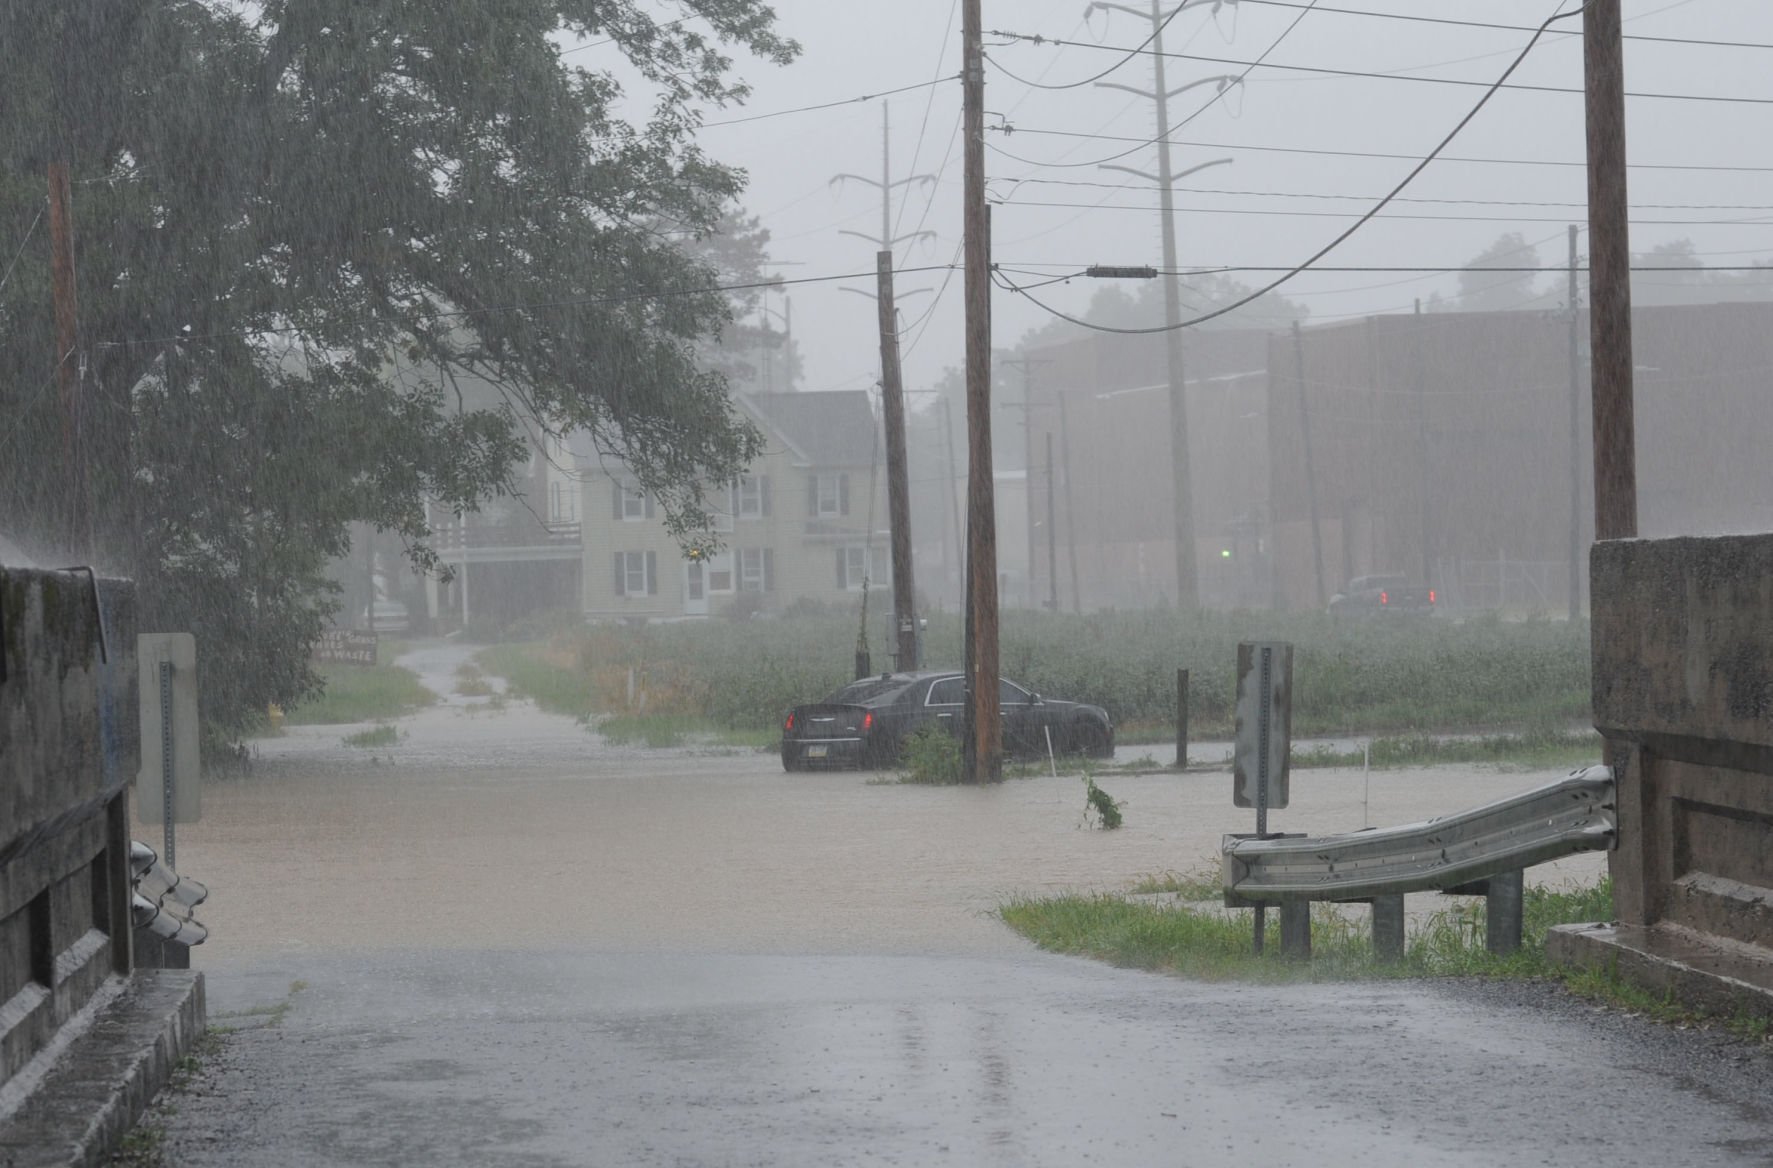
<point>502,941</point>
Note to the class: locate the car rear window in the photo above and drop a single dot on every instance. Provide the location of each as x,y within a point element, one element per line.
<point>867,690</point>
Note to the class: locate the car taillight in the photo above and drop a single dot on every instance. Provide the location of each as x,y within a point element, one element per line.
<point>1385,598</point>
<point>789,724</point>
<point>867,721</point>
<point>1431,596</point>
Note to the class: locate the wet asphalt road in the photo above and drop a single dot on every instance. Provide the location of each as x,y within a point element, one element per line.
<point>502,942</point>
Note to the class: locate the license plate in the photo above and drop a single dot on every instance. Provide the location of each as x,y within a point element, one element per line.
<point>816,751</point>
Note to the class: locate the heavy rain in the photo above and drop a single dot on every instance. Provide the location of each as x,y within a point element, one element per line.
<point>519,511</point>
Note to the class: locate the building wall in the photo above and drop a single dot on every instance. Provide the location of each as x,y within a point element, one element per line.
<point>802,546</point>
<point>1441,446</point>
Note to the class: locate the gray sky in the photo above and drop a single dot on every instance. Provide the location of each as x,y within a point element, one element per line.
<point>1245,213</point>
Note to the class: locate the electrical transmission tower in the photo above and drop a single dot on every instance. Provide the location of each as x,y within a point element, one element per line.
<point>1187,583</point>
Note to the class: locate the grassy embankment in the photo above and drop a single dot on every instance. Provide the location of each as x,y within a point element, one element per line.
<point>362,693</point>
<point>1173,924</point>
<point>1518,685</point>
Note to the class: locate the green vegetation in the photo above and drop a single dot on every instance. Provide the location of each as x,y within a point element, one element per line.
<point>1213,944</point>
<point>544,672</point>
<point>382,734</point>
<point>931,756</point>
<point>1400,679</point>
<point>361,693</point>
<point>1539,749</point>
<point>1099,805</point>
<point>471,682</point>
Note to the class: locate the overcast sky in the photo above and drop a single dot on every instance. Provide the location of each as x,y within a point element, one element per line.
<point>1271,206</point>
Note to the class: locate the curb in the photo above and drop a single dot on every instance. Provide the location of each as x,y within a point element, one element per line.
<point>99,1086</point>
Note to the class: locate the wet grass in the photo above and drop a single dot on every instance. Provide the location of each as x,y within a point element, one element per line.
<point>361,693</point>
<point>1198,940</point>
<point>471,682</point>
<point>545,675</point>
<point>1191,936</point>
<point>382,735</point>
<point>1537,750</point>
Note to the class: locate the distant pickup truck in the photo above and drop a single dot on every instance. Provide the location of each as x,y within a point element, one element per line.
<point>1382,596</point>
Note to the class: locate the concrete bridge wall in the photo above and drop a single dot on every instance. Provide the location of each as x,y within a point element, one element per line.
<point>1683,693</point>
<point>68,748</point>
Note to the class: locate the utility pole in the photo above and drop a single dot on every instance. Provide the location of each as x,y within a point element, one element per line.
<point>1182,487</point>
<point>1575,585</point>
<point>1052,536</point>
<point>1317,537</point>
<point>892,393</point>
<point>1027,366</point>
<point>1609,265</point>
<point>886,184</point>
<point>1070,510</point>
<point>68,363</point>
<point>984,753</point>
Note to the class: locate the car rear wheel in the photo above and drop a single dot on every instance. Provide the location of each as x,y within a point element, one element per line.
<point>792,761</point>
<point>1091,740</point>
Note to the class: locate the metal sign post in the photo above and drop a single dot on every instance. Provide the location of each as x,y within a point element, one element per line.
<point>1264,737</point>
<point>167,789</point>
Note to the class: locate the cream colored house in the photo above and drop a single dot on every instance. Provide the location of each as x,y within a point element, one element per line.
<point>807,523</point>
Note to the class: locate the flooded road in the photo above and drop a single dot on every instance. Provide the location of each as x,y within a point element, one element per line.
<point>501,941</point>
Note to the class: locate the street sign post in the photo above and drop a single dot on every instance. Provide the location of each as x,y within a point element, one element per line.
<point>1264,739</point>
<point>167,788</point>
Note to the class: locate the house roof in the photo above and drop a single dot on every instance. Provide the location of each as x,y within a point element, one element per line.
<point>833,428</point>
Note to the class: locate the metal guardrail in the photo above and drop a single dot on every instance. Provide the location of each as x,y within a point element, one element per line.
<point>163,900</point>
<point>1575,814</point>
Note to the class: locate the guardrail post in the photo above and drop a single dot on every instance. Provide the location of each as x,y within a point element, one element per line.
<point>1502,912</point>
<point>1388,927</point>
<point>1295,915</point>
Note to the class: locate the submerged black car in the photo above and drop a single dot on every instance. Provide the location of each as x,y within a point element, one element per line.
<point>865,723</point>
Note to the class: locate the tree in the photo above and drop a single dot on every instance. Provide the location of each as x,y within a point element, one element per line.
<point>754,352</point>
<point>1112,304</point>
<point>1482,288</point>
<point>300,226</point>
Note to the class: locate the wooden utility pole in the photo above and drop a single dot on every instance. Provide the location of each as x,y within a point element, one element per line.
<point>1575,584</point>
<point>1609,266</point>
<point>67,364</point>
<point>892,395</point>
<point>984,756</point>
<point>1317,536</point>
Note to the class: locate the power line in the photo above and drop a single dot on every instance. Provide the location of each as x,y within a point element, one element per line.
<point>1370,198</point>
<point>1732,169</point>
<point>1325,70</point>
<point>572,302</point>
<point>1130,54</point>
<point>1412,17</point>
<point>1495,87</point>
<point>1285,214</point>
<point>824,105</point>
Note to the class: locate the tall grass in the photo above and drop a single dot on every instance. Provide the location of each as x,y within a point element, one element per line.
<point>361,693</point>
<point>1366,677</point>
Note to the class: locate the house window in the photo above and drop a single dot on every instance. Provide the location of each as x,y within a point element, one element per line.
<point>857,562</point>
<point>637,574</point>
<point>828,495</point>
<point>632,504</point>
<point>756,569</point>
<point>720,573</point>
<point>750,495</point>
<point>563,503</point>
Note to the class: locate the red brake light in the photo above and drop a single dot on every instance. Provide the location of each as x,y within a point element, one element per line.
<point>867,720</point>
<point>1385,598</point>
<point>789,724</point>
<point>1431,596</point>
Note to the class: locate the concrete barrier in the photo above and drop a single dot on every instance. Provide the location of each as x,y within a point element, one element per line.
<point>84,1041</point>
<point>1683,694</point>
